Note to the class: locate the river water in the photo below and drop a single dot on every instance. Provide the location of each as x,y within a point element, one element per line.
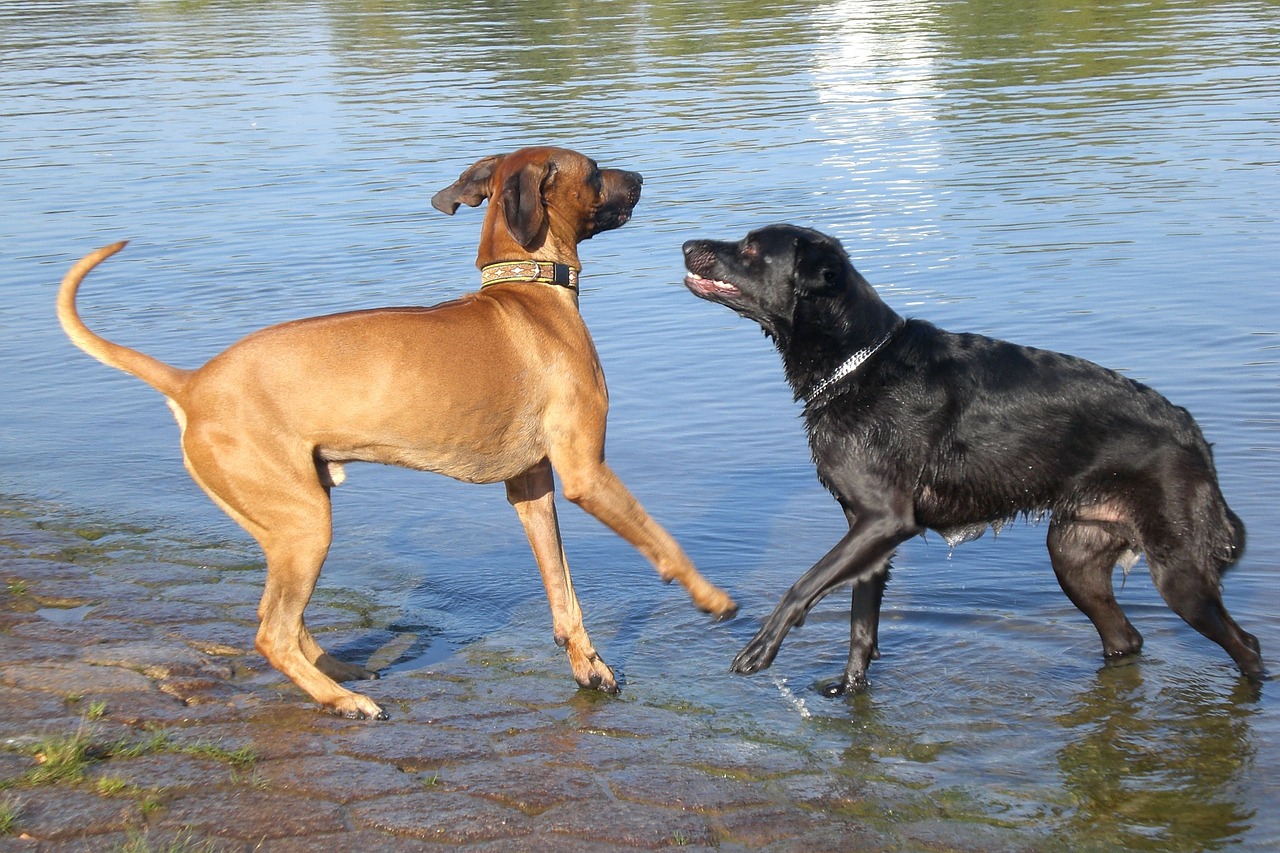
<point>1071,176</point>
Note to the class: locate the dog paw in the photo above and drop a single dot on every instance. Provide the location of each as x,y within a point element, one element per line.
<point>591,672</point>
<point>725,612</point>
<point>357,707</point>
<point>717,602</point>
<point>844,686</point>
<point>755,656</point>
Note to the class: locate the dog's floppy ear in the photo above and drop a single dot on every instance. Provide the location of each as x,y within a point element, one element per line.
<point>471,188</point>
<point>522,202</point>
<point>822,267</point>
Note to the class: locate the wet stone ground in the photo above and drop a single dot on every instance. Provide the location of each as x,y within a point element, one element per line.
<point>136,716</point>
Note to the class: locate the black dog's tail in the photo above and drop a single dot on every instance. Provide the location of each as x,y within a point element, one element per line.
<point>1231,547</point>
<point>1186,525</point>
<point>1213,535</point>
<point>1222,529</point>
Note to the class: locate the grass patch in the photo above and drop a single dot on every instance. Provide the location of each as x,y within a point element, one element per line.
<point>61,758</point>
<point>8,816</point>
<point>156,741</point>
<point>160,742</point>
<point>140,842</point>
<point>150,805</point>
<point>242,757</point>
<point>66,758</point>
<point>251,779</point>
<point>109,785</point>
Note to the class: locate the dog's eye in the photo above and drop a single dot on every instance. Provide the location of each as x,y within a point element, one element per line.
<point>829,275</point>
<point>750,251</point>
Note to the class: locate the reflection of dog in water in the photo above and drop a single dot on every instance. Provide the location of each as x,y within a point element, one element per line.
<point>914,428</point>
<point>500,385</point>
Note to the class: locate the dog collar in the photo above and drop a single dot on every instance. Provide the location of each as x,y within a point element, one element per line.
<point>850,364</point>
<point>542,272</point>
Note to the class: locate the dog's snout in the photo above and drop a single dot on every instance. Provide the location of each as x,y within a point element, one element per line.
<point>694,249</point>
<point>630,181</point>
<point>698,257</point>
<point>633,182</point>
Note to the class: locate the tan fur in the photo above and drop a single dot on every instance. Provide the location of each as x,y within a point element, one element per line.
<point>502,385</point>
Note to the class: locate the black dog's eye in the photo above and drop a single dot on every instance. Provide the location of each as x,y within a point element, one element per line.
<point>751,251</point>
<point>829,275</point>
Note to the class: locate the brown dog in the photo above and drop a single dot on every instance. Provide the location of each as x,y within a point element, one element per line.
<point>500,385</point>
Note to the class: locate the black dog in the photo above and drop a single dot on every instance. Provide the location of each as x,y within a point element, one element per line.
<point>914,428</point>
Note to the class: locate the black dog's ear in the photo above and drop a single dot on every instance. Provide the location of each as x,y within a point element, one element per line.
<point>822,267</point>
<point>522,202</point>
<point>471,188</point>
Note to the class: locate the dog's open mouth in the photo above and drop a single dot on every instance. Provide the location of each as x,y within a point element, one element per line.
<point>707,286</point>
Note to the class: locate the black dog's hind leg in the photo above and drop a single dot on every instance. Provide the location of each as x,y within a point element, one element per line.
<point>1189,592</point>
<point>1083,556</point>
<point>860,555</point>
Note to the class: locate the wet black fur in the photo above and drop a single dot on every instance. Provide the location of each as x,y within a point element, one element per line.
<point>953,432</point>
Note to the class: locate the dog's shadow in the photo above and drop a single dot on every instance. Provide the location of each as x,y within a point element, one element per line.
<point>401,645</point>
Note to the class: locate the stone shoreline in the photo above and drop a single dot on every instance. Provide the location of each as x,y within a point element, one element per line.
<point>137,716</point>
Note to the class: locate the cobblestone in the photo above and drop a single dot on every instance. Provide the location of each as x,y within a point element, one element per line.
<point>188,741</point>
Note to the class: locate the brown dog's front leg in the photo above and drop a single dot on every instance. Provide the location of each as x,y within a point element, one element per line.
<point>533,496</point>
<point>600,492</point>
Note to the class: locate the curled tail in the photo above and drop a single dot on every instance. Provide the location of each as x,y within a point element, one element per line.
<point>160,376</point>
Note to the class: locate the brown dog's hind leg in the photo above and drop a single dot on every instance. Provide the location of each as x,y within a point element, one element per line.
<point>294,558</point>
<point>287,510</point>
<point>598,490</point>
<point>1084,555</point>
<point>532,494</point>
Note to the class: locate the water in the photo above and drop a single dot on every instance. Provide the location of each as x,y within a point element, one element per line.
<point>1095,180</point>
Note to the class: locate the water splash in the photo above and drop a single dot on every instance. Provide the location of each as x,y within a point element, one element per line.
<point>789,696</point>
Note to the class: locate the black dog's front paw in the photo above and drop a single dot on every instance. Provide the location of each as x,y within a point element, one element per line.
<point>844,687</point>
<point>763,648</point>
<point>756,655</point>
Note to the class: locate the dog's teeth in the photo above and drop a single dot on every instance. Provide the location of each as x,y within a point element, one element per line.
<point>708,284</point>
